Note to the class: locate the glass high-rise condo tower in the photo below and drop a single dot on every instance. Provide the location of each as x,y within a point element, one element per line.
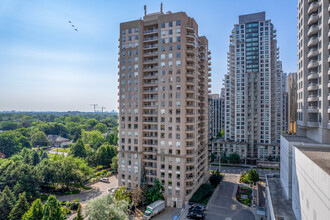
<point>253,87</point>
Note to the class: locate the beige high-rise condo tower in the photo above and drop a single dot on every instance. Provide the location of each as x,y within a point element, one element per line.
<point>163,104</point>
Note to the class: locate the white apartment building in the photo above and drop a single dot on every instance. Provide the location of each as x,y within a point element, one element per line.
<point>253,85</point>
<point>305,157</point>
<point>313,70</point>
<point>163,104</point>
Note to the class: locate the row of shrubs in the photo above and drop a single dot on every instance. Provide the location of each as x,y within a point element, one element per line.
<point>203,194</point>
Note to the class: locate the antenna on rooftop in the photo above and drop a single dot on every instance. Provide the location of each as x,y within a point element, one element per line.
<point>145,9</point>
<point>94,106</point>
<point>161,7</point>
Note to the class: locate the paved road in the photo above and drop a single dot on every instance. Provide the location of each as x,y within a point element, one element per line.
<point>223,207</point>
<point>98,189</point>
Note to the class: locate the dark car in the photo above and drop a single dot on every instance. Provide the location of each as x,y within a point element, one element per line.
<point>196,215</point>
<point>196,208</point>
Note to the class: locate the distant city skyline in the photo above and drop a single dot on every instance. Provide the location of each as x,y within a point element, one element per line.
<point>45,65</point>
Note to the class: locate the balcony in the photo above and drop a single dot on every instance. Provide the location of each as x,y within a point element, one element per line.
<point>312,109</point>
<point>312,123</point>
<point>312,64</point>
<point>329,96</point>
<point>312,42</point>
<point>150,39</point>
<point>312,53</point>
<point>313,18</point>
<point>328,109</point>
<point>329,45</point>
<point>312,86</point>
<point>329,84</point>
<point>313,75</point>
<point>152,31</point>
<point>313,98</point>
<point>313,30</point>
<point>151,46</point>
<point>313,7</point>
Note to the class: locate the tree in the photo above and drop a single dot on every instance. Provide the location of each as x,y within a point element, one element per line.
<point>137,196</point>
<point>9,143</point>
<point>64,170</point>
<point>79,215</point>
<point>20,208</point>
<point>78,149</point>
<point>234,158</point>
<point>104,154</point>
<point>253,176</point>
<point>212,156</point>
<point>215,178</point>
<point>122,194</point>
<point>52,210</point>
<point>93,138</point>
<point>39,139</point>
<point>101,127</point>
<point>35,211</point>
<point>7,201</point>
<point>24,141</point>
<point>114,164</point>
<point>18,189</point>
<point>155,192</point>
<point>112,138</point>
<point>44,155</point>
<point>105,207</point>
<point>35,159</point>
<point>8,125</point>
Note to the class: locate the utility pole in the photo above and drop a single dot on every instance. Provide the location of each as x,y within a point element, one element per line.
<point>102,108</point>
<point>94,106</point>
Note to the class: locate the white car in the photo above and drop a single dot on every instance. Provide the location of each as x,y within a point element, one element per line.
<point>111,190</point>
<point>105,180</point>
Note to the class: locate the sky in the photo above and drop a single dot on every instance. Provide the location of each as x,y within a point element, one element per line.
<point>45,65</point>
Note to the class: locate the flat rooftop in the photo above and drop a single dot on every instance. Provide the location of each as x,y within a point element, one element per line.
<point>296,138</point>
<point>282,206</point>
<point>319,155</point>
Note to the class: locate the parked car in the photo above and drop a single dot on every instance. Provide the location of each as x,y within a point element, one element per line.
<point>197,208</point>
<point>111,190</point>
<point>196,215</point>
<point>105,180</point>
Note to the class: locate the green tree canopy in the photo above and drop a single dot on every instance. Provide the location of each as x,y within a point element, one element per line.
<point>122,194</point>
<point>105,207</point>
<point>155,192</point>
<point>35,212</point>
<point>253,176</point>
<point>234,158</point>
<point>114,163</point>
<point>35,159</point>
<point>52,210</point>
<point>215,178</point>
<point>79,215</point>
<point>7,202</point>
<point>20,208</point>
<point>93,138</point>
<point>101,127</point>
<point>39,139</point>
<point>9,143</point>
<point>78,149</point>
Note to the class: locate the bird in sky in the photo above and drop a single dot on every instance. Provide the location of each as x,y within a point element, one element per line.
<point>73,26</point>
